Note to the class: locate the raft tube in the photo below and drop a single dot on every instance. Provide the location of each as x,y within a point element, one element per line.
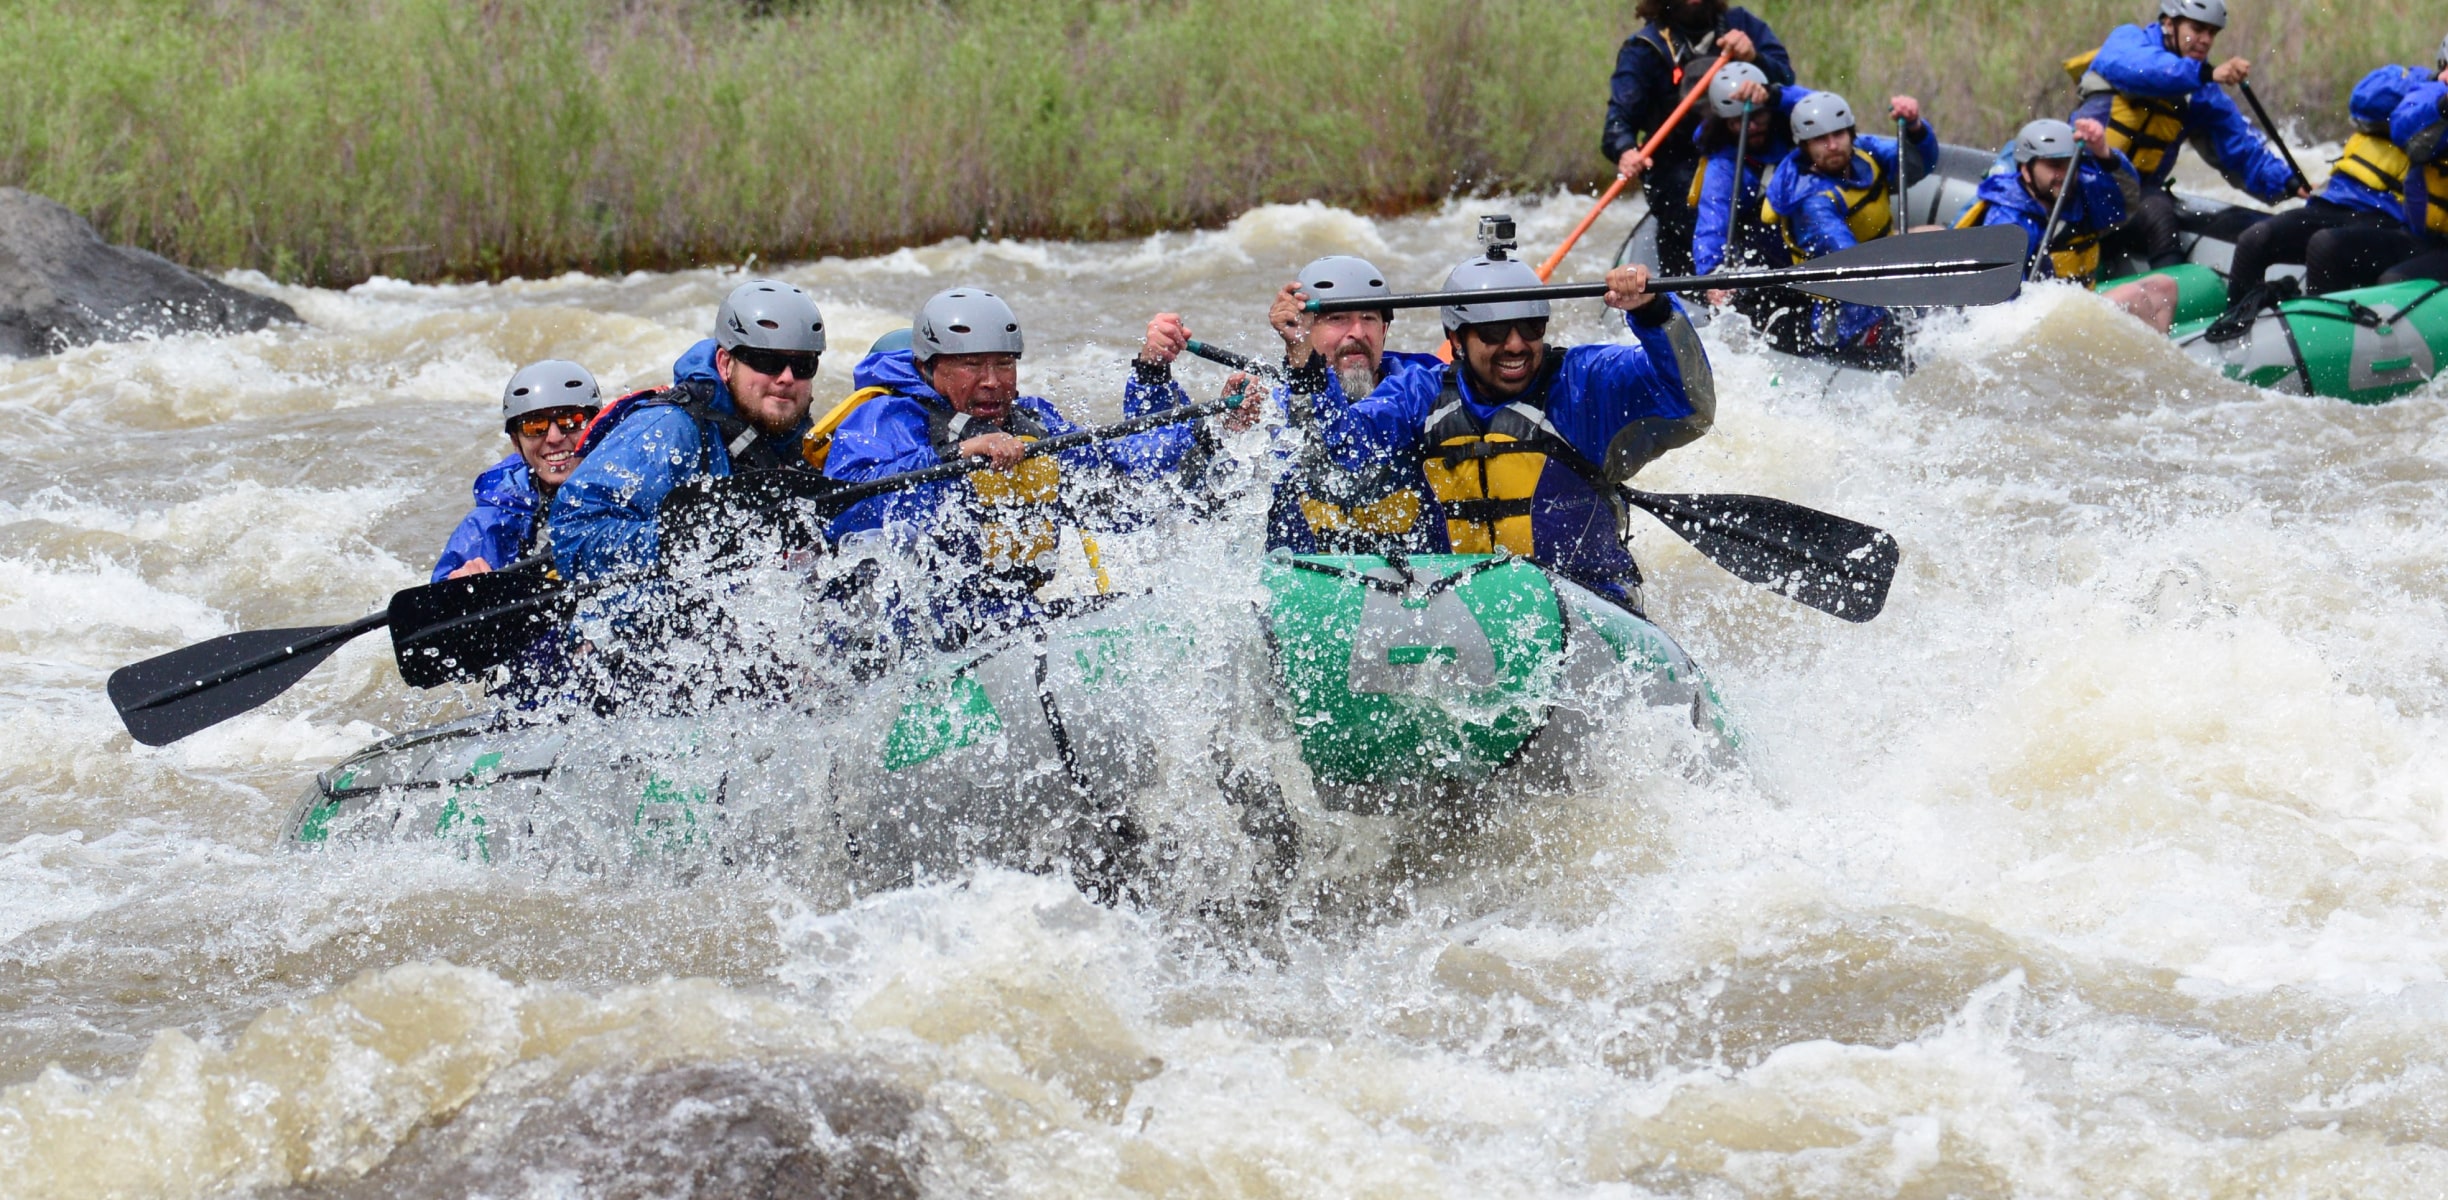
<point>2369,345</point>
<point>1419,681</point>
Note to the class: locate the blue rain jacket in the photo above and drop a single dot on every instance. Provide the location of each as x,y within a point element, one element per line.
<point>1716,187</point>
<point>2135,60</point>
<point>1813,209</point>
<point>1644,88</point>
<point>2376,97</point>
<point>496,529</point>
<point>2096,206</point>
<point>603,517</point>
<point>1595,395</point>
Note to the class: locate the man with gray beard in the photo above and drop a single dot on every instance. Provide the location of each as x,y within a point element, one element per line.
<point>1330,362</point>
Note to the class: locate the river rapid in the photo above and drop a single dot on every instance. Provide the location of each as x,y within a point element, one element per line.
<point>2109,861</point>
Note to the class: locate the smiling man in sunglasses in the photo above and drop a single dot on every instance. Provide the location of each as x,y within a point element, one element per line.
<point>544,410</point>
<point>738,402</point>
<point>1523,443</point>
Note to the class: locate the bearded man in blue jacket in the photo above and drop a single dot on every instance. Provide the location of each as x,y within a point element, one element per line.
<point>737,402</point>
<point>1524,443</point>
<point>545,409</point>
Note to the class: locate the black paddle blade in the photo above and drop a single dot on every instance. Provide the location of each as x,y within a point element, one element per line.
<point>458,629</point>
<point>149,695</point>
<point>1998,249</point>
<point>1840,567</point>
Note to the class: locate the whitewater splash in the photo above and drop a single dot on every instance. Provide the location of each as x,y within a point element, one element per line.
<point>2108,860</point>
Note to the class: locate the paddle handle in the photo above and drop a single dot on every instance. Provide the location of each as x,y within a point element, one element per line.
<point>1546,270</point>
<point>329,637</point>
<point>1895,186</point>
<point>1239,362</point>
<point>2048,233</point>
<point>2271,128</point>
<point>1734,195</point>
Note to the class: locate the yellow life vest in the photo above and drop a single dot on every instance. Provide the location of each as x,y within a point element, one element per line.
<point>2376,163</point>
<point>2075,258</point>
<point>2146,128</point>
<point>818,445</point>
<point>1019,510</point>
<point>1390,515</point>
<point>1487,474</point>
<point>1868,210</point>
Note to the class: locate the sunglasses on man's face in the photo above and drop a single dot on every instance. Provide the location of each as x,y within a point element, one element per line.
<point>567,420</point>
<point>1496,333</point>
<point>774,362</point>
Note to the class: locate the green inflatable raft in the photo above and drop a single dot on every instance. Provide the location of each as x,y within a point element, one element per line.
<point>2370,345</point>
<point>1366,684</point>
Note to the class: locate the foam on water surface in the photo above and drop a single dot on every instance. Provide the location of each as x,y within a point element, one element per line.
<point>2110,860</point>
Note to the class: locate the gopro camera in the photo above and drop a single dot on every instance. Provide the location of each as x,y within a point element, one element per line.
<point>1496,235</point>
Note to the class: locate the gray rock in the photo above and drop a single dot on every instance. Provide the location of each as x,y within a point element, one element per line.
<point>61,285</point>
<point>689,1131</point>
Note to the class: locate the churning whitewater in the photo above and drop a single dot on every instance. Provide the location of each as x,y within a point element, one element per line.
<point>2110,860</point>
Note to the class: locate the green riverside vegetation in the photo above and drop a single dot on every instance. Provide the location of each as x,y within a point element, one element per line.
<point>328,140</point>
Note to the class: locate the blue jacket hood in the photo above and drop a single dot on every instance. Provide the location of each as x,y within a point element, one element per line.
<point>2378,94</point>
<point>697,362</point>
<point>892,369</point>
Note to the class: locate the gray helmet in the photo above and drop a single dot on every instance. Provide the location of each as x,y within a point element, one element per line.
<point>2441,62</point>
<point>768,314</point>
<point>552,383</point>
<point>2044,138</point>
<point>2212,13</point>
<point>1342,277</point>
<point>1819,114</point>
<point>1485,274</point>
<point>964,321</point>
<point>898,339</point>
<point>1730,77</point>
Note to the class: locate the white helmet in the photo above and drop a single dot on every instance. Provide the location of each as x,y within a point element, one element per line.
<point>1820,114</point>
<point>1485,274</point>
<point>768,314</point>
<point>552,383</point>
<point>1730,77</point>
<point>2212,13</point>
<point>2044,138</point>
<point>1343,277</point>
<point>964,321</point>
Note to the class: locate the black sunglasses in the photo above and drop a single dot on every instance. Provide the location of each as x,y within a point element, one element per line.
<point>1495,333</point>
<point>774,362</point>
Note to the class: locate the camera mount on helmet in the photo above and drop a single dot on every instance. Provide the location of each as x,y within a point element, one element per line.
<point>1496,236</point>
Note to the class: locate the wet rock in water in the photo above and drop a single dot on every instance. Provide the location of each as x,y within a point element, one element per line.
<point>61,285</point>
<point>733,1131</point>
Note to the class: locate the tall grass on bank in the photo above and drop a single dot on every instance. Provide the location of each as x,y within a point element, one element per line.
<point>327,140</point>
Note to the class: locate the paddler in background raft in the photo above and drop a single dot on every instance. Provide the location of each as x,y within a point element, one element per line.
<point>1329,362</point>
<point>2044,152</point>
<point>1836,191</point>
<point>737,402</point>
<point>2420,127</point>
<point>2154,89</point>
<point>1747,134</point>
<point>988,541</point>
<point>545,409</point>
<point>2365,193</point>
<point>1523,443</point>
<point>1655,67</point>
